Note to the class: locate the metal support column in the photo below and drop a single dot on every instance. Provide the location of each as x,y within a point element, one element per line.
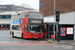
<point>54,17</point>
<point>74,32</point>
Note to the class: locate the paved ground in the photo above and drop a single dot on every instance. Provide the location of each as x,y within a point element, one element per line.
<point>5,37</point>
<point>34,47</point>
<point>9,43</point>
<point>64,42</point>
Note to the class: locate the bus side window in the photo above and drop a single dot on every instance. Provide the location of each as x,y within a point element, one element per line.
<point>15,16</point>
<point>11,16</point>
<point>15,27</point>
<point>25,27</point>
<point>25,15</point>
<point>20,15</point>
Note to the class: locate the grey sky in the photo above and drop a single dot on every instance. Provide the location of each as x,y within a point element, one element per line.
<point>33,3</point>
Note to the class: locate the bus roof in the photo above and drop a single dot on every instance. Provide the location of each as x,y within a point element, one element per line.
<point>15,12</point>
<point>29,11</point>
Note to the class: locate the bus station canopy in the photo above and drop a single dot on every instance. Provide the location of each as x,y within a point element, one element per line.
<point>66,18</point>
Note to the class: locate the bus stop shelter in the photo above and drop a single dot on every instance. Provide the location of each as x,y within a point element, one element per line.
<point>67,21</point>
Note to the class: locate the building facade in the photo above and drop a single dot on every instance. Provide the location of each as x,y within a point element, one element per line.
<point>14,8</point>
<point>5,14</point>
<point>67,23</point>
<point>67,17</point>
<point>64,6</point>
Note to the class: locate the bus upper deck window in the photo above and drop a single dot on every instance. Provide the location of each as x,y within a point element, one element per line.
<point>25,15</point>
<point>16,16</point>
<point>13,16</point>
<point>20,15</point>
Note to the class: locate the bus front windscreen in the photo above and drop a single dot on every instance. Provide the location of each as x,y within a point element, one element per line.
<point>35,15</point>
<point>35,22</point>
<point>36,28</point>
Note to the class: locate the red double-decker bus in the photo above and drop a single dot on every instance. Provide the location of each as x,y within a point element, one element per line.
<point>28,24</point>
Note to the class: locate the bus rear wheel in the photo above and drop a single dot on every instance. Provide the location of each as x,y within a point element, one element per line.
<point>22,36</point>
<point>12,34</point>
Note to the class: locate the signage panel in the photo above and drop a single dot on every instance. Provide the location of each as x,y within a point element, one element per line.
<point>69,30</point>
<point>35,21</point>
<point>63,31</point>
<point>17,21</point>
<point>42,4</point>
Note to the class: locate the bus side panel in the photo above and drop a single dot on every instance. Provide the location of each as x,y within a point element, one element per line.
<point>23,28</point>
<point>35,35</point>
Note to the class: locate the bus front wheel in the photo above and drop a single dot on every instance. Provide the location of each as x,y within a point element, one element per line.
<point>22,36</point>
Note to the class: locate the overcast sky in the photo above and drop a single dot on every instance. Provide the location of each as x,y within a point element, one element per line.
<point>33,3</point>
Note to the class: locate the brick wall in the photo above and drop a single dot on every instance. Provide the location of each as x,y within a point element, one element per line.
<point>63,5</point>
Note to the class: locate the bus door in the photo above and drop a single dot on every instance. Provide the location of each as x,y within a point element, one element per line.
<point>46,31</point>
<point>50,31</point>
